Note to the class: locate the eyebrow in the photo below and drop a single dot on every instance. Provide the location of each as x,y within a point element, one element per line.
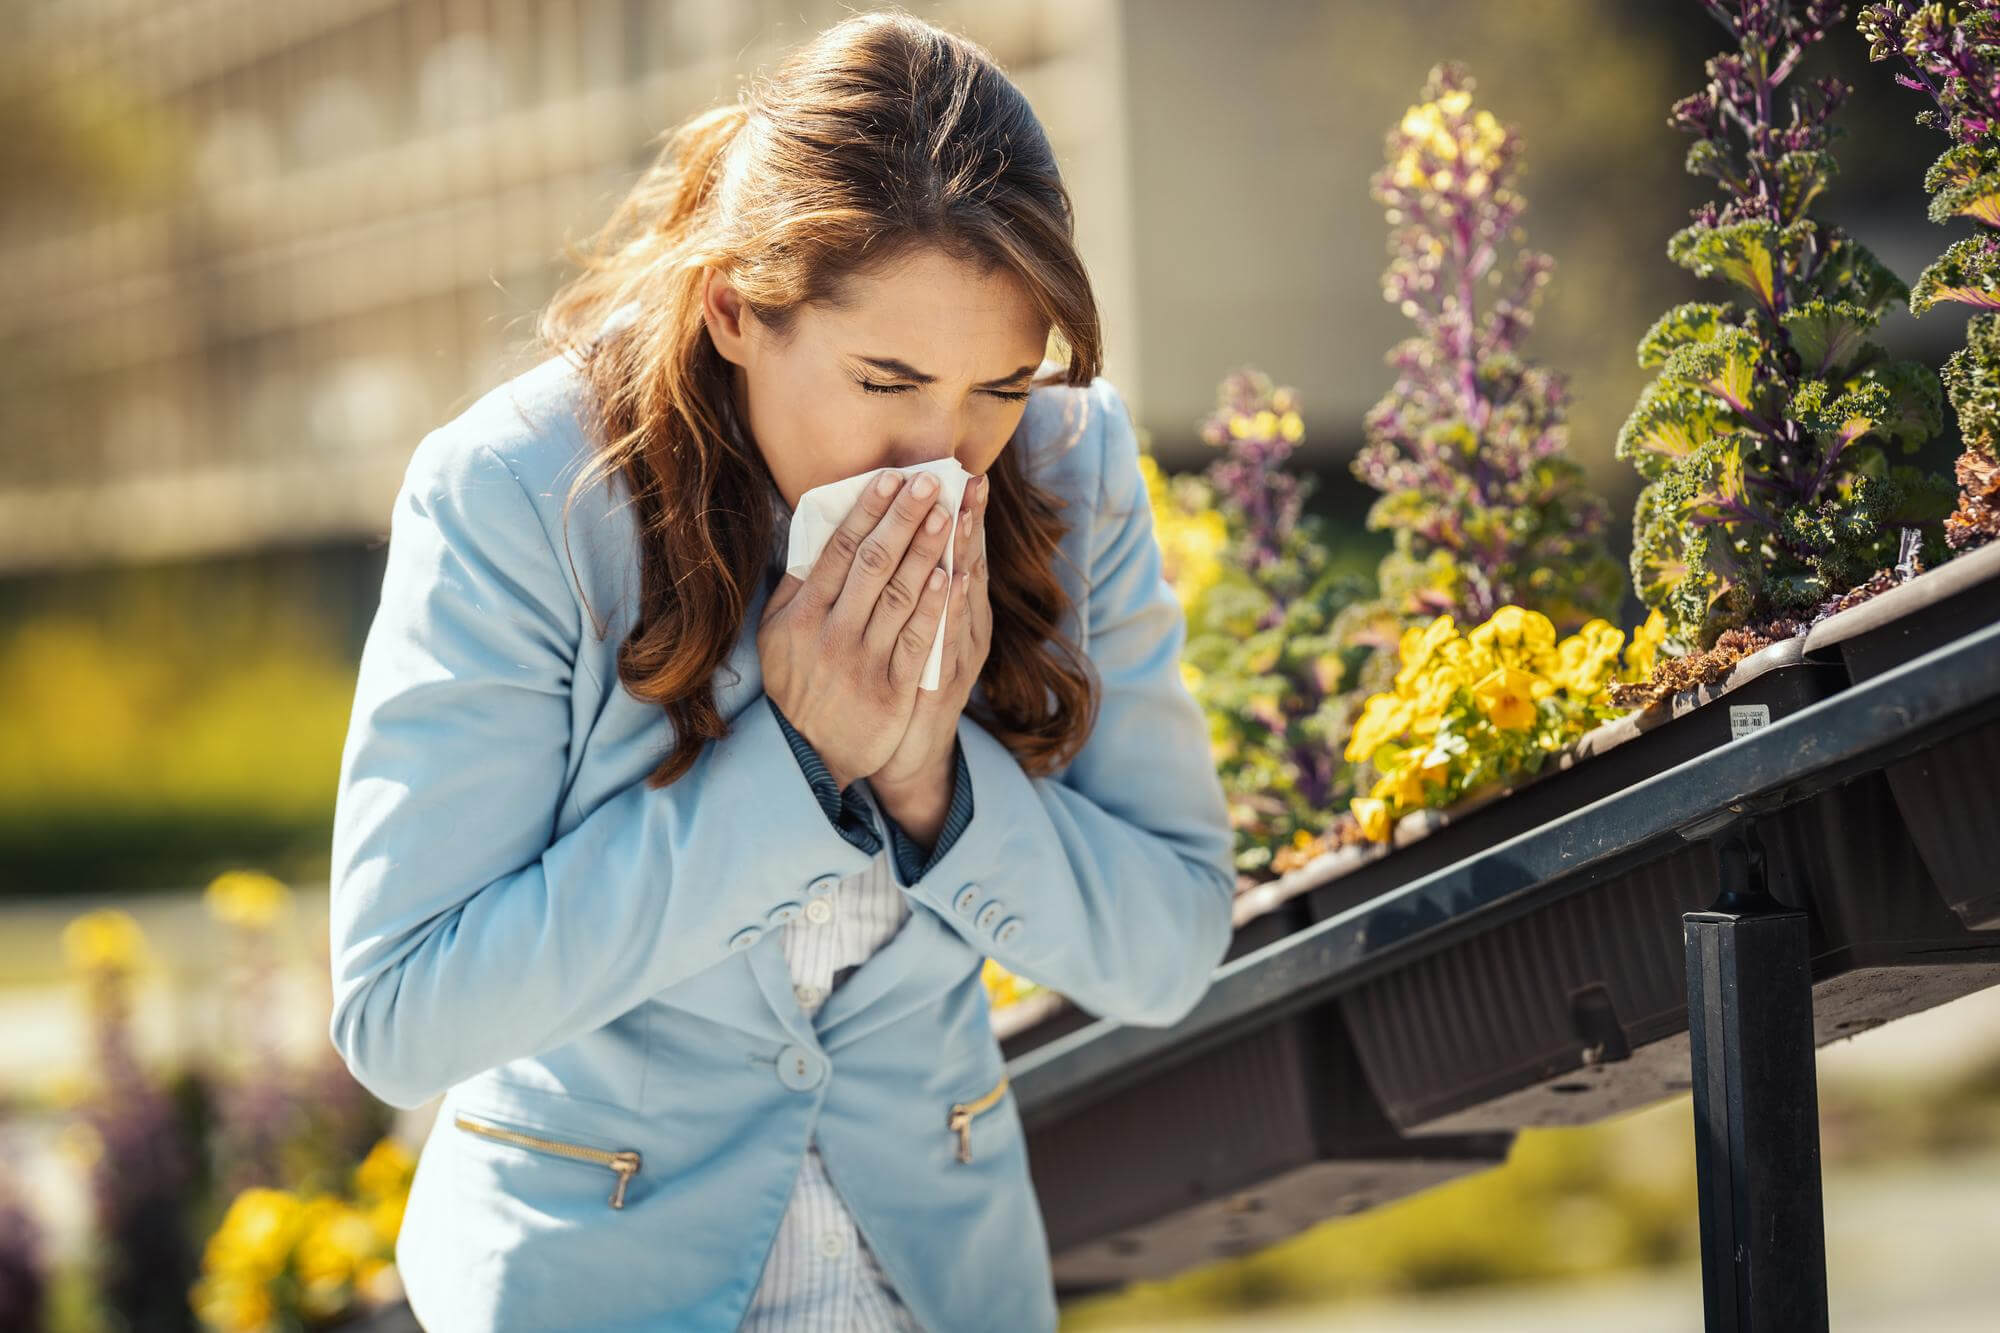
<point>903,368</point>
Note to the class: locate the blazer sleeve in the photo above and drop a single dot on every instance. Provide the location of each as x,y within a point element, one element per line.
<point>464,933</point>
<point>1113,882</point>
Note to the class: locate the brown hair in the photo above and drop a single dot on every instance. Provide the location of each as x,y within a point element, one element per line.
<point>882,134</point>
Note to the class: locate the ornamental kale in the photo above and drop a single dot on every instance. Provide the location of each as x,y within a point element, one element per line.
<point>1953,54</point>
<point>1467,447</point>
<point>1764,440</point>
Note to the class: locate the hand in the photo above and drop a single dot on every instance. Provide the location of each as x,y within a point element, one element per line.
<point>842,649</point>
<point>913,784</point>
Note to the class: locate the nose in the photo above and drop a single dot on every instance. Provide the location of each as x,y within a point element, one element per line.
<point>912,454</point>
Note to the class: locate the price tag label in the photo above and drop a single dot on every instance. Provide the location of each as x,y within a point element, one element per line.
<point>1746,718</point>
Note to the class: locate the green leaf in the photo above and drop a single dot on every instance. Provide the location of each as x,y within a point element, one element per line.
<point>1744,253</point>
<point>1967,272</point>
<point>1671,420</point>
<point>1725,365</point>
<point>1690,322</point>
<point>1830,336</point>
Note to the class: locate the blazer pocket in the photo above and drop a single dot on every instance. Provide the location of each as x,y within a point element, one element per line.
<point>624,1163</point>
<point>959,1119</point>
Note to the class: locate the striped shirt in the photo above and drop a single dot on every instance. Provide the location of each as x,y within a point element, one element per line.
<point>820,1275</point>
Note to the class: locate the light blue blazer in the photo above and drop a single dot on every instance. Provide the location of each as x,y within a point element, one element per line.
<point>590,969</point>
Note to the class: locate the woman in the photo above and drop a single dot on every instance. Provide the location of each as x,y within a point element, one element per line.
<point>698,972</point>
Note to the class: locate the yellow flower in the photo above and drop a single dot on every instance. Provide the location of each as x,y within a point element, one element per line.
<point>1383,718</point>
<point>1191,676</point>
<point>256,1234</point>
<point>1641,656</point>
<point>999,983</point>
<point>1515,636</point>
<point>1291,427</point>
<point>1507,698</point>
<point>246,898</point>
<point>233,1303</point>
<point>1402,786</point>
<point>1419,644</point>
<point>385,1171</point>
<point>1373,815</point>
<point>108,938</point>
<point>335,1239</point>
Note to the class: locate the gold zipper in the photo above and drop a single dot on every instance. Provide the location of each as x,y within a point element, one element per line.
<point>960,1119</point>
<point>625,1163</point>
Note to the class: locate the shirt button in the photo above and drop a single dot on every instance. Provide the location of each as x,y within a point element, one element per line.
<point>746,937</point>
<point>799,1069</point>
<point>831,1243</point>
<point>819,911</point>
<point>809,995</point>
<point>1007,931</point>
<point>991,914</point>
<point>822,886</point>
<point>966,899</point>
<point>783,913</point>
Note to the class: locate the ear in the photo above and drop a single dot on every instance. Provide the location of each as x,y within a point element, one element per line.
<point>723,312</point>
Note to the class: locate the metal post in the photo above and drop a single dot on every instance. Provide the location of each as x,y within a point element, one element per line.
<point>1756,1103</point>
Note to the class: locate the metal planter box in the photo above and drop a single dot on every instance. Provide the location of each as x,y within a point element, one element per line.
<point>1228,1151</point>
<point>1945,793</point>
<point>1578,1009</point>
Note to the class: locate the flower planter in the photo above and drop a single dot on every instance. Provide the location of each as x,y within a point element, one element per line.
<point>1762,688</point>
<point>1577,1010</point>
<point>1945,793</point>
<point>1226,1152</point>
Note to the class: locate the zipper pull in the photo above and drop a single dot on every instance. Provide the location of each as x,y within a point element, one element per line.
<point>624,1163</point>
<point>960,1121</point>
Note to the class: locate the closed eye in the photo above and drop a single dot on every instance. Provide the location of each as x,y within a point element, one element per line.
<point>872,387</point>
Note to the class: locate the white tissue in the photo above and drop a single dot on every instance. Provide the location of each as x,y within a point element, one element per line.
<point>822,509</point>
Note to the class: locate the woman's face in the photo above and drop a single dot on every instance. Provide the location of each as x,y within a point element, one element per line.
<point>948,348</point>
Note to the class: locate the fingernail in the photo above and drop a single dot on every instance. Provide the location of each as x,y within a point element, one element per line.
<point>925,484</point>
<point>937,576</point>
<point>935,520</point>
<point>887,483</point>
<point>967,523</point>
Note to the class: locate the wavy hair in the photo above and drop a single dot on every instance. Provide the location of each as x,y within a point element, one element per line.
<point>882,134</point>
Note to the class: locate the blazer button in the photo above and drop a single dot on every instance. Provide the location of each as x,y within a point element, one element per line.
<point>966,899</point>
<point>746,937</point>
<point>822,886</point>
<point>990,915</point>
<point>782,913</point>
<point>799,1069</point>
<point>1007,931</point>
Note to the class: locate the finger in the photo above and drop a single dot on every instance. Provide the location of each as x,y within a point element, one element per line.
<point>879,553</point>
<point>965,536</point>
<point>979,615</point>
<point>913,641</point>
<point>899,596</point>
<point>960,659</point>
<point>829,572</point>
